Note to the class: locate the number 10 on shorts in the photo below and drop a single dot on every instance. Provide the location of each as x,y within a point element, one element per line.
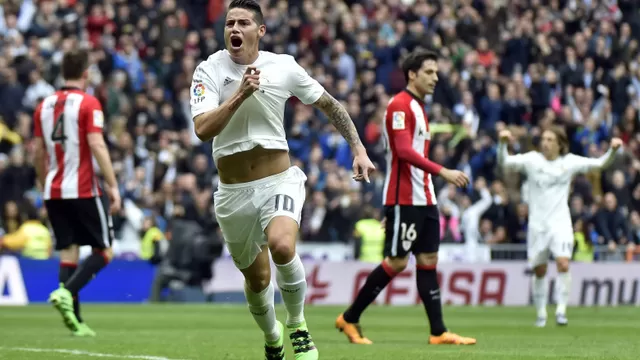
<point>284,203</point>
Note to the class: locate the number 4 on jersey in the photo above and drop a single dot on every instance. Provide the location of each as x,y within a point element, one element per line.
<point>58,135</point>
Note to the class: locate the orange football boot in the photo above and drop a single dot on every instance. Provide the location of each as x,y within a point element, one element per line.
<point>448,338</point>
<point>353,331</point>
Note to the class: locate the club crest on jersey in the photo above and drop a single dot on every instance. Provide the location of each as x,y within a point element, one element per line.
<point>198,90</point>
<point>397,120</point>
<point>424,133</point>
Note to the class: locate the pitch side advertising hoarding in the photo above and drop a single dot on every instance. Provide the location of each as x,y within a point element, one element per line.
<point>336,283</point>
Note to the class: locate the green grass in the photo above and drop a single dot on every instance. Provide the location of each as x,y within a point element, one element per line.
<point>215,332</point>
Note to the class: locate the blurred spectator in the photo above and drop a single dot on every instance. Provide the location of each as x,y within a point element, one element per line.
<point>583,246</point>
<point>31,240</point>
<point>369,236</point>
<point>611,224</point>
<point>522,65</point>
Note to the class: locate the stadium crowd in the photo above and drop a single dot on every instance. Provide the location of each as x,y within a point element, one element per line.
<point>518,64</point>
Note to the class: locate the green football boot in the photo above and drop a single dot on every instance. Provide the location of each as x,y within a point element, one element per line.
<point>62,300</point>
<point>303,346</point>
<point>275,350</point>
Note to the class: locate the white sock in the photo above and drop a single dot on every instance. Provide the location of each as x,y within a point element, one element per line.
<point>293,287</point>
<point>562,290</point>
<point>262,307</point>
<point>540,295</point>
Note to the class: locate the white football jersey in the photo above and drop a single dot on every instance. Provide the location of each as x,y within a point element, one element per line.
<point>549,182</point>
<point>259,120</point>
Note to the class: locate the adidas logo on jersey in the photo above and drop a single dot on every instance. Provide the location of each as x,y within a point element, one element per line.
<point>227,81</point>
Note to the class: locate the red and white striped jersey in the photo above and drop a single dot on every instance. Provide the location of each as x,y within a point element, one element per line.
<point>64,120</point>
<point>406,132</point>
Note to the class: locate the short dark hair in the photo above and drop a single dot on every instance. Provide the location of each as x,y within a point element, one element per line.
<point>413,61</point>
<point>74,64</point>
<point>251,5</point>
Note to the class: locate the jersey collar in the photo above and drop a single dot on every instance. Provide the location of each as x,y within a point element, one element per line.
<point>421,101</point>
<point>70,88</point>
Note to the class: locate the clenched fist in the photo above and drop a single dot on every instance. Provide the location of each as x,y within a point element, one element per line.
<point>505,136</point>
<point>616,143</point>
<point>250,82</point>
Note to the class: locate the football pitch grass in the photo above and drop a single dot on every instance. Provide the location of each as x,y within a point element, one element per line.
<point>227,332</point>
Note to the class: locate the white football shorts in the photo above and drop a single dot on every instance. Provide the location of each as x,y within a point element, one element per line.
<point>557,242</point>
<point>244,211</point>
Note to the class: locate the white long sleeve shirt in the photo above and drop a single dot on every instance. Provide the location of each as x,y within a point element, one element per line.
<point>549,183</point>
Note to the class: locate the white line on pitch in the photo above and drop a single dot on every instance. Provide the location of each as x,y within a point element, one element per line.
<point>85,353</point>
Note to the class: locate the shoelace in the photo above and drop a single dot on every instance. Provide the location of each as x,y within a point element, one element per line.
<point>273,353</point>
<point>301,341</point>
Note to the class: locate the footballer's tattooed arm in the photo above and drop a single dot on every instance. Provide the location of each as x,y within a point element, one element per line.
<point>339,117</point>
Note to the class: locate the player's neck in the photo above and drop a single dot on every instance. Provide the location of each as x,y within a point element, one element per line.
<point>247,59</point>
<point>551,157</point>
<point>411,88</point>
<point>78,84</point>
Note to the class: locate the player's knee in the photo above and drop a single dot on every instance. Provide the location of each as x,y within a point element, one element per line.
<point>258,281</point>
<point>427,259</point>
<point>282,251</point>
<point>281,237</point>
<point>70,255</point>
<point>562,265</point>
<point>107,253</point>
<point>540,270</point>
<point>282,245</point>
<point>397,264</point>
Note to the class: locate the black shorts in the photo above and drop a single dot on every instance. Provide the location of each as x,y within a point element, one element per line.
<point>80,222</point>
<point>414,229</point>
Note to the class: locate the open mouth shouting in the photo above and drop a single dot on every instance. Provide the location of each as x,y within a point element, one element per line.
<point>236,42</point>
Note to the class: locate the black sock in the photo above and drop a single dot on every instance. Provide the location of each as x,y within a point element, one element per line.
<point>429,290</point>
<point>90,267</point>
<point>66,270</point>
<point>76,307</point>
<point>376,281</point>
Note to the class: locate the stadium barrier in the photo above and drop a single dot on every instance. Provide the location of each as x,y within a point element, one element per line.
<point>335,283</point>
<point>24,281</point>
<point>449,252</point>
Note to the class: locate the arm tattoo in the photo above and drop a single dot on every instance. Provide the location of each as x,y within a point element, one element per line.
<point>339,117</point>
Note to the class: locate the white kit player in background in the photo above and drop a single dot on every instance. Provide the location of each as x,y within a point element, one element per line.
<point>550,172</point>
<point>238,98</point>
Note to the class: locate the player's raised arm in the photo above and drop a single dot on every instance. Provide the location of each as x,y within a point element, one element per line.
<point>209,116</point>
<point>581,164</point>
<point>515,162</point>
